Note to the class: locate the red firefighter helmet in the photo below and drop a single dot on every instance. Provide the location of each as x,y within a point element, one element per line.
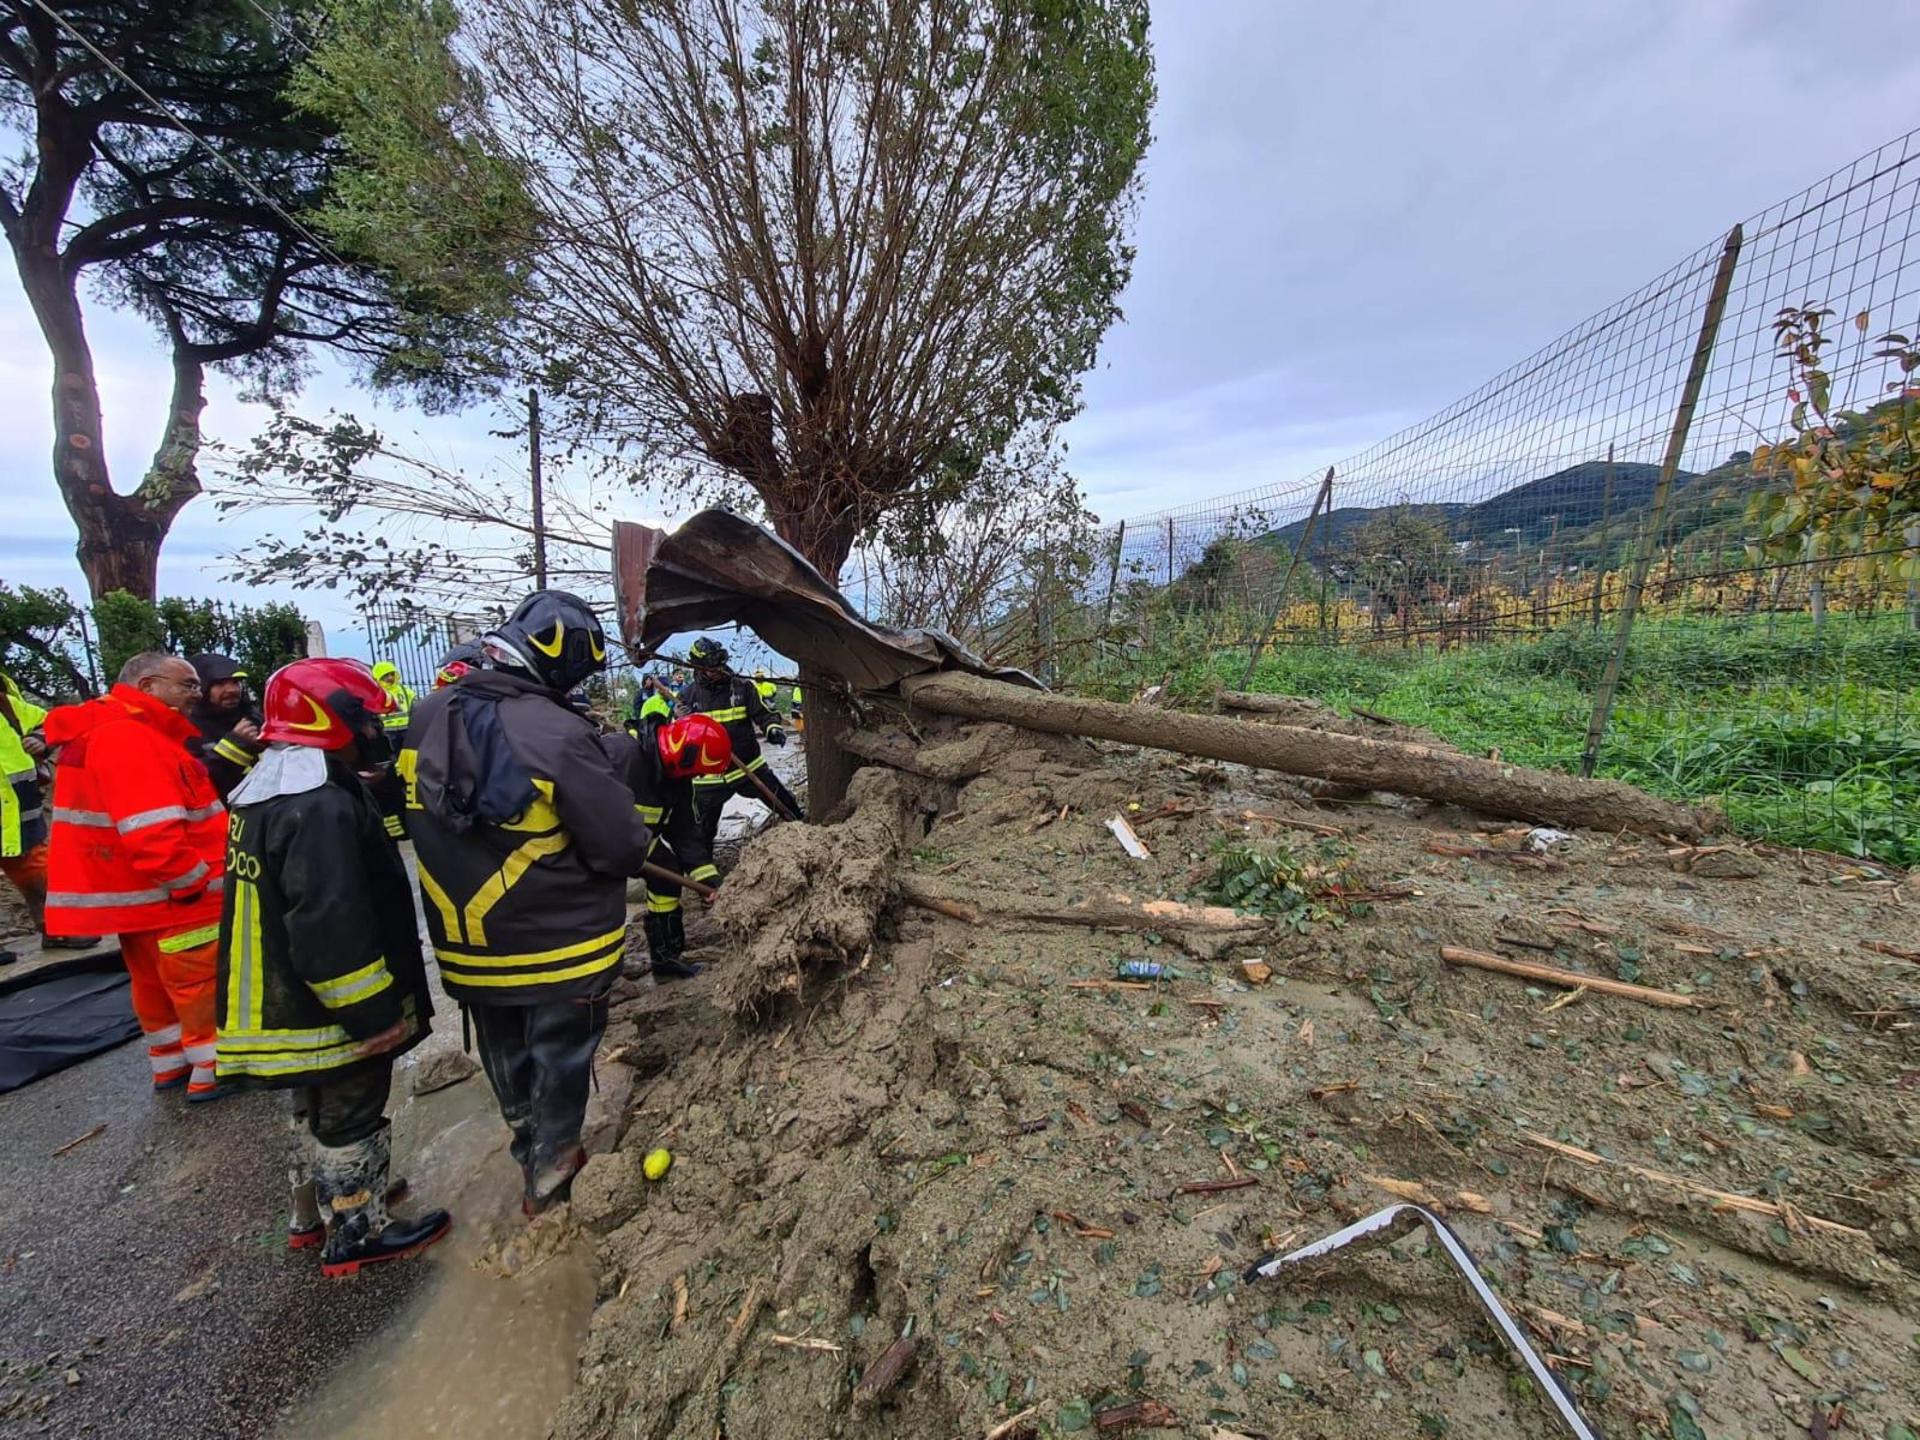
<point>450,672</point>
<point>697,745</point>
<point>322,703</point>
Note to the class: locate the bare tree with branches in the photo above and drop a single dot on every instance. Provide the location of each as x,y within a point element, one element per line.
<point>842,250</point>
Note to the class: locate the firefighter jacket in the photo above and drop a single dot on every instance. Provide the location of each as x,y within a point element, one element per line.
<point>227,757</point>
<point>139,837</point>
<point>524,832</point>
<point>319,941</point>
<point>736,704</point>
<point>23,823</point>
<point>665,803</point>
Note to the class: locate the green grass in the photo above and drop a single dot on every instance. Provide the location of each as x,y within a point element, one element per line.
<point>1804,739</point>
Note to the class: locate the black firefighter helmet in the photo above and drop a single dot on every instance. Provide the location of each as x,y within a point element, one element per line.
<point>707,654</point>
<point>555,638</point>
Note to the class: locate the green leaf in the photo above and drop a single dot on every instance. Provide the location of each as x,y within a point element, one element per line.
<point>1076,1414</point>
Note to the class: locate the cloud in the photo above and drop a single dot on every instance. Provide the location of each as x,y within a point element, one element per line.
<point>1353,214</point>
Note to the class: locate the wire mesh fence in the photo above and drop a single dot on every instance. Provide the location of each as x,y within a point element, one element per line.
<point>1470,573</point>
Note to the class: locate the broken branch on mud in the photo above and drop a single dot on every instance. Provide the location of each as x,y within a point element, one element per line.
<point>1572,979</point>
<point>1786,1214</point>
<point>1492,787</point>
<point>1215,1187</point>
<point>885,1373</point>
<point>1098,912</point>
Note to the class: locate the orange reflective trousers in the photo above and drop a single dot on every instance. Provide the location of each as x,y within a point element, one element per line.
<point>174,991</point>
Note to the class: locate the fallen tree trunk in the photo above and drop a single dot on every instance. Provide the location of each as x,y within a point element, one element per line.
<point>1490,786</point>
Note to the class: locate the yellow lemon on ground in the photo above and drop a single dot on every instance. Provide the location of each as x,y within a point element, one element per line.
<point>657,1163</point>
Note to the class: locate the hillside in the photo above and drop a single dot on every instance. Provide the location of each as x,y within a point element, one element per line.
<point>1576,508</point>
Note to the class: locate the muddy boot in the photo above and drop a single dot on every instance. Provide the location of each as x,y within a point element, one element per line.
<point>552,1184</point>
<point>307,1231</point>
<point>351,1184</point>
<point>670,945</point>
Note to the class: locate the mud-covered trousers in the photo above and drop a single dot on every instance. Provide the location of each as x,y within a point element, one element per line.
<point>338,1150</point>
<point>710,799</point>
<point>539,1060</point>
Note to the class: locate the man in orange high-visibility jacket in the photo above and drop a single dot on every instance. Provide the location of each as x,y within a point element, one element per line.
<point>138,848</point>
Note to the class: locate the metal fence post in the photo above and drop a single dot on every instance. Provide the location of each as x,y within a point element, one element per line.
<point>1323,499</point>
<point>1169,554</point>
<point>1662,493</point>
<point>1113,575</point>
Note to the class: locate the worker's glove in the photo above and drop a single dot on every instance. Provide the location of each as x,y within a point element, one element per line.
<point>776,736</point>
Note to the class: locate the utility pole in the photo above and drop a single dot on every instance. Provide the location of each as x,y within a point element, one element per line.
<point>539,496</point>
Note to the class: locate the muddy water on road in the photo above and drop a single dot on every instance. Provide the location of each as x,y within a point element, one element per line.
<point>476,1355</point>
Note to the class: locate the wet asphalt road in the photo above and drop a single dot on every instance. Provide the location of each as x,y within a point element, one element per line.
<point>151,1263</point>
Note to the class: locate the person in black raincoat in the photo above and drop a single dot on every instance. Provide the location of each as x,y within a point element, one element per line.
<point>321,980</point>
<point>525,835</point>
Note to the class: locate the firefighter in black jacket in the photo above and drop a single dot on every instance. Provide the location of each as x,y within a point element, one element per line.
<point>735,702</point>
<point>321,981</point>
<point>229,739</point>
<point>663,760</point>
<point>525,833</point>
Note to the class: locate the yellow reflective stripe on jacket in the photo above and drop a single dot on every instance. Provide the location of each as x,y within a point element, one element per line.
<point>280,1062</point>
<point>495,889</point>
<point>756,762</point>
<point>454,976</point>
<point>533,957</point>
<point>11,821</point>
<point>441,902</point>
<point>703,872</point>
<point>662,904</point>
<point>245,990</point>
<point>228,748</point>
<point>351,989</point>
<point>189,939</point>
<point>279,1052</point>
<point>732,715</point>
<point>652,814</point>
<point>396,829</point>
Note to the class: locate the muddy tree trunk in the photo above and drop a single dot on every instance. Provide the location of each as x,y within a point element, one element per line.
<point>120,535</point>
<point>826,541</point>
<point>1490,786</point>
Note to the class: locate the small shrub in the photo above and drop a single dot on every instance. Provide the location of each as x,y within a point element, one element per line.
<point>1273,879</point>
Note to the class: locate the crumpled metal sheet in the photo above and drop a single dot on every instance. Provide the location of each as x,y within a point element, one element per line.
<point>1390,1222</point>
<point>720,568</point>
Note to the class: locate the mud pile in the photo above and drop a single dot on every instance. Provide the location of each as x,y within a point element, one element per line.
<point>977,1141</point>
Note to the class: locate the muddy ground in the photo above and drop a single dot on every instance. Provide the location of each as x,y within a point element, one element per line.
<point>918,1128</point>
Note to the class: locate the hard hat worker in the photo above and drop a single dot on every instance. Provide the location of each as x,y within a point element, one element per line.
<point>400,711</point>
<point>525,833</point>
<point>138,841</point>
<point>735,702</point>
<point>322,983</point>
<point>662,758</point>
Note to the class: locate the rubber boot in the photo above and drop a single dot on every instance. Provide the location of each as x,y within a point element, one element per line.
<point>552,1184</point>
<point>351,1184</point>
<point>672,944</point>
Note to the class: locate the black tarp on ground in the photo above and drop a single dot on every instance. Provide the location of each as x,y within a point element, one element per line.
<point>60,1014</point>
<point>719,568</point>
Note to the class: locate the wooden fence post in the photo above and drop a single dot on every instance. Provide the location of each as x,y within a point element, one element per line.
<point>1662,494</point>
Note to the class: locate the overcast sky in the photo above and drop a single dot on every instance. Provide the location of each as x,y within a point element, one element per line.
<point>1354,213</point>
